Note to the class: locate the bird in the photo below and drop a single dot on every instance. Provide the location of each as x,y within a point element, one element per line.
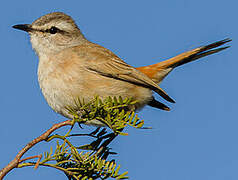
<point>72,67</point>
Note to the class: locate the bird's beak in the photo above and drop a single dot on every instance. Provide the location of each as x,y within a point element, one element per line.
<point>23,27</point>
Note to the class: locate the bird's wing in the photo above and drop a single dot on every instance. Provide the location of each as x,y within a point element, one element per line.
<point>105,63</point>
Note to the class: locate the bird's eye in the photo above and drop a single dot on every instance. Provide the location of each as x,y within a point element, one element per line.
<point>52,30</point>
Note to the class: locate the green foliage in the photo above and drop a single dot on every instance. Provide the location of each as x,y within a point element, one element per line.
<point>114,112</point>
<point>83,165</point>
<point>89,161</point>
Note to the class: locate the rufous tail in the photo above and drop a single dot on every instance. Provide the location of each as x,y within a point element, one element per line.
<point>157,72</point>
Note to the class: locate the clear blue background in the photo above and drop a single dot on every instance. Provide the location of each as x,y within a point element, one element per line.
<point>196,140</point>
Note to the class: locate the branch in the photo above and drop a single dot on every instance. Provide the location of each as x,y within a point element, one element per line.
<point>14,163</point>
<point>113,112</point>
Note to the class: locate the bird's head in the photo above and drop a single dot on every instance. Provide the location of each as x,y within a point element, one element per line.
<point>52,33</point>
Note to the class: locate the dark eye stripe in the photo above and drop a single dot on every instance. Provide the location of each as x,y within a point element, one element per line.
<point>52,30</point>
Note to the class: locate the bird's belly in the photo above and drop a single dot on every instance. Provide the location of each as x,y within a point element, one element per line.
<point>60,92</point>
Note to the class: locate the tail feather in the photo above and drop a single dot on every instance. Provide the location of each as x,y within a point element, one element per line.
<point>160,70</point>
<point>197,53</point>
<point>198,56</point>
<point>156,104</point>
<point>157,72</point>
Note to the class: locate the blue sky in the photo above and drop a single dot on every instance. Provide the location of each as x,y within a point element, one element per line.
<point>196,140</point>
